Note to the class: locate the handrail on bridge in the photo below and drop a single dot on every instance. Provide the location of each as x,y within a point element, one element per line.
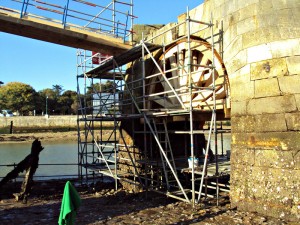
<point>74,13</point>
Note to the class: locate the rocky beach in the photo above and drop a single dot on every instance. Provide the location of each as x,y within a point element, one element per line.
<point>102,204</point>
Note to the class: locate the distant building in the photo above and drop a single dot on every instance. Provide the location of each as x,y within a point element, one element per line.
<point>105,103</point>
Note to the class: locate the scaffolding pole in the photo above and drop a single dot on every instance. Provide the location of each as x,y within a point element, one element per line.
<point>174,88</point>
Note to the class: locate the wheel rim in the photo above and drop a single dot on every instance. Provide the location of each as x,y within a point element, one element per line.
<point>174,63</point>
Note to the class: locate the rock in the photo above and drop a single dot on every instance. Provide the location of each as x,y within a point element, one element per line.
<point>105,206</point>
<point>259,220</point>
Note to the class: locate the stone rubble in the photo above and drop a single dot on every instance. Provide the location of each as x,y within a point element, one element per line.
<point>106,206</point>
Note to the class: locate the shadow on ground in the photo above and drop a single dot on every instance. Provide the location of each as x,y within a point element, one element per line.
<point>97,207</point>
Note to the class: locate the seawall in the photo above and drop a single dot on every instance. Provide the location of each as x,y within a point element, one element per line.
<point>39,122</point>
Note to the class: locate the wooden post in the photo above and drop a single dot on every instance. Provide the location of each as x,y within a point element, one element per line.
<point>11,127</point>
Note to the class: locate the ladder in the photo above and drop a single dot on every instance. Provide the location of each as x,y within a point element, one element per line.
<point>161,131</point>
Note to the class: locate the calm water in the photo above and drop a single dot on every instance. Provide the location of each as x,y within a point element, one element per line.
<point>53,153</point>
<point>60,153</point>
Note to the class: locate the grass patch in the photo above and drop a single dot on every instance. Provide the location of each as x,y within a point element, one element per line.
<point>4,130</point>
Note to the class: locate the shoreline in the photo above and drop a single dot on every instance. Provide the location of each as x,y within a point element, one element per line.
<point>50,136</point>
<point>42,136</point>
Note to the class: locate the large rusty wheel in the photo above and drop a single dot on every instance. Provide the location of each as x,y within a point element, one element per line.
<point>175,64</point>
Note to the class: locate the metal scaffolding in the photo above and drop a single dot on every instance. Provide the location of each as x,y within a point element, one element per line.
<point>141,127</point>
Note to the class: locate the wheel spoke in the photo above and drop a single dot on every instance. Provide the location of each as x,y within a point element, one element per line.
<point>176,59</point>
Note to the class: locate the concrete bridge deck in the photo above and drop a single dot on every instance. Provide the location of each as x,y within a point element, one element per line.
<point>54,32</point>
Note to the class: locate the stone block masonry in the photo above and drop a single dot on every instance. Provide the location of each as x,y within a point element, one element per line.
<point>262,56</point>
<point>261,40</point>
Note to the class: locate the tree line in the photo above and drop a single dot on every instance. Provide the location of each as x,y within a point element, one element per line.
<point>25,100</point>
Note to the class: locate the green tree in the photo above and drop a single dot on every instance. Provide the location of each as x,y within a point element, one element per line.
<point>94,88</point>
<point>57,89</point>
<point>48,96</point>
<point>18,96</point>
<point>108,86</point>
<point>64,103</point>
<point>68,102</point>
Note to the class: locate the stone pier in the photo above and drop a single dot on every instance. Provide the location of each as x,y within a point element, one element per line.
<point>261,52</point>
<point>261,46</point>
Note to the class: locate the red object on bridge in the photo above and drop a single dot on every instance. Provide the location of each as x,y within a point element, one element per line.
<point>98,57</point>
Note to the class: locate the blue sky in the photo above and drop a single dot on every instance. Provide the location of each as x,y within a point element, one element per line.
<point>41,64</point>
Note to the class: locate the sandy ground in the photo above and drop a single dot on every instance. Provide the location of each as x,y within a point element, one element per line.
<point>46,136</point>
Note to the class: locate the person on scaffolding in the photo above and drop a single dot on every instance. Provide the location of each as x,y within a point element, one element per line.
<point>30,164</point>
<point>201,143</point>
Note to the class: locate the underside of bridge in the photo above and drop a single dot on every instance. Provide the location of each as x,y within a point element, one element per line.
<point>55,31</point>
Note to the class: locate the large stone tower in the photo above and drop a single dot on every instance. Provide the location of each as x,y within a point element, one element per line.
<point>262,56</point>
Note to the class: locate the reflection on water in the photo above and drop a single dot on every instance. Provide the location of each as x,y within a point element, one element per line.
<point>53,153</point>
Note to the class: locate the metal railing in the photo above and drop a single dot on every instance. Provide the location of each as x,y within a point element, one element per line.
<point>45,177</point>
<point>112,18</point>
